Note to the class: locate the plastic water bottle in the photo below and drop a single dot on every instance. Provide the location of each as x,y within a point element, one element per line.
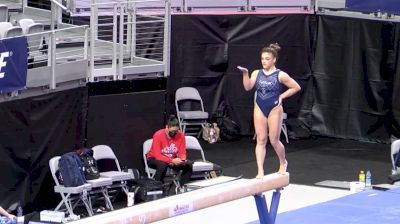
<point>368,180</point>
<point>20,217</point>
<point>361,176</point>
<point>19,211</point>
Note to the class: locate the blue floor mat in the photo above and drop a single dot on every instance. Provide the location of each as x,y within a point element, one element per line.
<point>367,207</point>
<point>395,190</point>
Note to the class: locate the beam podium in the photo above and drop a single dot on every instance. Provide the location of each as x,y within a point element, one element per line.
<point>198,199</point>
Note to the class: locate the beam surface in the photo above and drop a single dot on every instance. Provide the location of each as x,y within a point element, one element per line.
<point>190,201</point>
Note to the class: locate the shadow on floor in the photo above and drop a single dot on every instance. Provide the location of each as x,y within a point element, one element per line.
<point>310,160</point>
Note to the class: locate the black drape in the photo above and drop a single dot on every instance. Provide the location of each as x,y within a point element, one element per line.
<point>354,73</point>
<point>350,89</point>
<point>32,131</point>
<point>125,114</point>
<point>207,48</point>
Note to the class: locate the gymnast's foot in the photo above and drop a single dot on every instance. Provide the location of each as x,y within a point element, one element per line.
<point>260,174</point>
<point>283,168</point>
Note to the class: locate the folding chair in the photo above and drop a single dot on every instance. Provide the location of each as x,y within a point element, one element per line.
<point>170,174</point>
<point>202,168</point>
<point>394,148</point>
<point>100,186</point>
<point>119,178</point>
<point>146,148</point>
<point>190,110</point>
<point>284,128</point>
<point>71,196</point>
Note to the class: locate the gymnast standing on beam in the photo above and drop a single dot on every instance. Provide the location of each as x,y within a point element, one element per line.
<point>268,111</point>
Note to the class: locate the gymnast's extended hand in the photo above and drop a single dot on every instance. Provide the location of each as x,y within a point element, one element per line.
<point>243,69</point>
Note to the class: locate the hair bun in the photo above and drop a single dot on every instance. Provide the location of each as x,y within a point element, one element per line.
<point>275,46</point>
<point>171,117</point>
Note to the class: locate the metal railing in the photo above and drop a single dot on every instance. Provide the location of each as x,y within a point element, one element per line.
<point>128,40</point>
<point>82,7</point>
<point>52,65</point>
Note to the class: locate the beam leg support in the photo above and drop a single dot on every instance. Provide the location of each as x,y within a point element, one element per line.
<point>264,216</point>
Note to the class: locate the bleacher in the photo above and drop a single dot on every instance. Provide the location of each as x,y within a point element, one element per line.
<point>72,42</point>
<point>59,53</point>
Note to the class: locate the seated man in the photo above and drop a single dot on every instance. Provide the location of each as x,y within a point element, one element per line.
<point>169,150</point>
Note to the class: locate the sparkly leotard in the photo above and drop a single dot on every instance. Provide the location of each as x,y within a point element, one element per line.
<point>268,89</point>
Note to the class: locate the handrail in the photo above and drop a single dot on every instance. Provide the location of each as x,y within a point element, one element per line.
<point>59,5</point>
<point>52,44</point>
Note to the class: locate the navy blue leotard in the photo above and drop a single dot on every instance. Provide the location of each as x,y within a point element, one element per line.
<point>268,89</point>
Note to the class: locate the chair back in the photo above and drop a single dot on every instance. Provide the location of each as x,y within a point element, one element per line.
<point>187,93</point>
<point>4,26</point>
<point>193,144</point>
<point>14,31</point>
<point>24,24</point>
<point>394,148</point>
<point>35,41</point>
<point>53,164</point>
<point>3,13</point>
<point>146,148</point>
<point>105,152</point>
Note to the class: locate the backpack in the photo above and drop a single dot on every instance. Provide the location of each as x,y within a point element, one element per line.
<point>89,164</point>
<point>70,168</point>
<point>229,129</point>
<point>211,132</point>
<point>147,190</point>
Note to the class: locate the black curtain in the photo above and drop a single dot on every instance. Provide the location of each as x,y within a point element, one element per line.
<point>395,121</point>
<point>207,48</point>
<point>32,131</point>
<point>123,115</point>
<point>350,89</point>
<point>355,74</point>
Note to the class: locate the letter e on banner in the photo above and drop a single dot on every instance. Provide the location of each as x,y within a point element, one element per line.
<point>3,63</point>
<point>13,64</point>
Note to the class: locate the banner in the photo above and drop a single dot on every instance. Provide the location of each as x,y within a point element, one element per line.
<point>13,64</point>
<point>391,6</point>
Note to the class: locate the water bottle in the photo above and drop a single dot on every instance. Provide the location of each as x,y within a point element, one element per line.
<point>361,176</point>
<point>20,217</point>
<point>19,211</point>
<point>368,179</point>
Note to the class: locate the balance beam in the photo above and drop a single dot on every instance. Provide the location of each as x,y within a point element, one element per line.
<point>198,199</point>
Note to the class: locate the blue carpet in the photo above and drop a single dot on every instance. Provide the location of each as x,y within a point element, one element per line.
<point>395,190</point>
<point>367,207</point>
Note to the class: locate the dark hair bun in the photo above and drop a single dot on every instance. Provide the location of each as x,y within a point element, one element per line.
<point>275,46</point>
<point>171,117</point>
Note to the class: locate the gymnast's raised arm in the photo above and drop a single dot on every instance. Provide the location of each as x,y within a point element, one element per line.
<point>248,82</point>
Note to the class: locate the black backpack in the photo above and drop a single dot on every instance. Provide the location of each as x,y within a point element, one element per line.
<point>89,164</point>
<point>70,168</point>
<point>229,129</point>
<point>147,190</point>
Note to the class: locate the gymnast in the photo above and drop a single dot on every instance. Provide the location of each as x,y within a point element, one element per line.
<point>268,111</point>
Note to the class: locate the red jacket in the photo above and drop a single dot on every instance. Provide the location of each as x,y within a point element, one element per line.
<point>165,149</point>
